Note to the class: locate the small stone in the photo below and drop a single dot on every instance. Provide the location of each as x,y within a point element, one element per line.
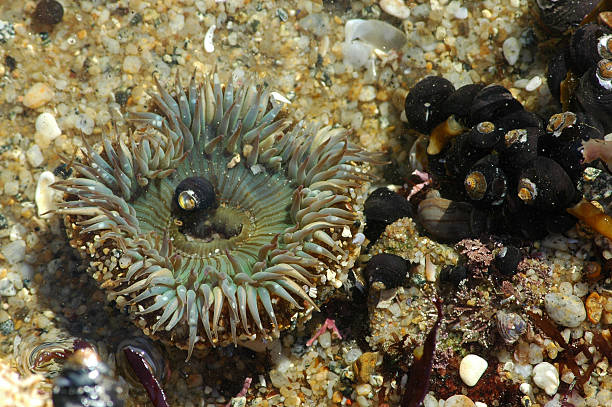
<point>397,8</point>
<point>7,288</point>
<point>363,389</point>
<point>546,377</point>
<point>11,188</point>
<point>7,31</point>
<point>45,195</point>
<point>367,93</point>
<point>47,129</point>
<point>325,339</point>
<point>48,12</point>
<point>472,368</point>
<point>365,366</point>
<point>39,94</point>
<point>132,64</point>
<point>533,83</point>
<point>14,252</point>
<point>6,327</point>
<point>459,400</point>
<point>35,156</point>
<point>565,310</point>
<point>511,49</point>
<point>461,13</point>
<point>85,124</point>
<point>594,307</point>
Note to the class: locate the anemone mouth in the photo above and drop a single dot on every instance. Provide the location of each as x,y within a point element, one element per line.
<point>277,241</point>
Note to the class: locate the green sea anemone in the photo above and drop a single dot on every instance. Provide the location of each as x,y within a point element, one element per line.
<point>274,239</point>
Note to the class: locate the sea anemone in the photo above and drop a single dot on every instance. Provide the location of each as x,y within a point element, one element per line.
<point>274,241</point>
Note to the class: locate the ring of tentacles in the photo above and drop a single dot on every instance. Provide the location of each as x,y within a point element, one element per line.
<point>275,239</point>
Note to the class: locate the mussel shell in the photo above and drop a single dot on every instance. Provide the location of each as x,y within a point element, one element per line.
<point>459,102</point>
<point>510,326</point>
<point>382,208</point>
<point>491,103</point>
<point>507,259</point>
<point>519,119</point>
<point>486,183</point>
<point>583,47</point>
<point>519,147</point>
<point>386,271</point>
<point>556,72</point>
<point>150,353</point>
<point>461,155</point>
<point>450,220</point>
<point>424,102</point>
<point>560,15</point>
<point>552,186</point>
<point>595,96</point>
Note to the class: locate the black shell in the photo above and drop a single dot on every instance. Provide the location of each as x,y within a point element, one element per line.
<point>556,72</point>
<point>594,93</point>
<point>385,271</point>
<point>382,208</point>
<point>424,102</point>
<point>486,183</point>
<point>519,119</point>
<point>48,12</point>
<point>86,381</point>
<point>450,220</point>
<point>491,103</point>
<point>545,185</point>
<point>583,47</point>
<point>507,259</point>
<point>561,15</point>
<point>519,147</point>
<point>484,135</point>
<point>459,102</point>
<point>453,275</point>
<point>461,155</point>
<point>200,190</point>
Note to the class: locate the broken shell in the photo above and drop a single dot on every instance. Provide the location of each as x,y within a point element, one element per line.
<point>510,326</point>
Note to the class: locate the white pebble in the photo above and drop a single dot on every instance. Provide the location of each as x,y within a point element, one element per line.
<point>45,195</point>
<point>7,289</point>
<point>480,404</point>
<point>35,156</point>
<point>461,13</point>
<point>325,339</point>
<point>511,49</point>
<point>471,369</point>
<point>546,377</point>
<point>459,400</point>
<point>131,64</point>
<point>11,188</point>
<point>367,93</point>
<point>47,129</point>
<point>396,8</point>
<point>39,94</point>
<point>363,389</point>
<point>533,83</point>
<point>566,310</point>
<point>208,39</point>
<point>85,124</point>
<point>14,252</point>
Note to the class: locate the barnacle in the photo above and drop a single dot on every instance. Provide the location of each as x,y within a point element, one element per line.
<point>283,222</point>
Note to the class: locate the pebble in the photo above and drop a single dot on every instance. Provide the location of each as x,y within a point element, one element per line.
<point>546,377</point>
<point>45,195</point>
<point>7,288</point>
<point>11,188</point>
<point>6,327</point>
<point>35,156</point>
<point>48,12</point>
<point>47,129</point>
<point>367,93</point>
<point>85,124</point>
<point>459,400</point>
<point>511,49</point>
<point>39,94</point>
<point>14,252</point>
<point>472,368</point>
<point>363,389</point>
<point>533,83</point>
<point>565,310</point>
<point>365,366</point>
<point>396,8</point>
<point>132,64</point>
<point>325,340</point>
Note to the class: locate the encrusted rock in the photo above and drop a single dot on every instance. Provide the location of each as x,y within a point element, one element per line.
<point>565,310</point>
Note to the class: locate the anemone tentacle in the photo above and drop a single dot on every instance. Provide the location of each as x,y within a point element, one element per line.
<point>288,207</point>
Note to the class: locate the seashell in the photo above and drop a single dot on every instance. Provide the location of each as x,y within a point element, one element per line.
<point>450,220</point>
<point>507,259</point>
<point>492,103</point>
<point>195,194</point>
<point>519,119</point>
<point>510,326</point>
<point>594,93</point>
<point>148,352</point>
<point>459,102</point>
<point>561,15</point>
<point>424,102</point>
<point>442,134</point>
<point>461,155</point>
<point>385,271</point>
<point>545,185</point>
<point>484,135</point>
<point>556,72</point>
<point>453,275</point>
<point>86,381</point>
<point>519,147</point>
<point>486,183</point>
<point>584,47</point>
<point>382,208</point>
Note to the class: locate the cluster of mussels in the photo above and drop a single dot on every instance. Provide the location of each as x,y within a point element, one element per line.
<point>499,167</point>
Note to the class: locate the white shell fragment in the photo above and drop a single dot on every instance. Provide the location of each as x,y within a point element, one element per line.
<point>47,129</point>
<point>362,37</point>
<point>45,196</point>
<point>511,49</point>
<point>472,368</point>
<point>208,39</point>
<point>546,377</point>
<point>565,310</point>
<point>397,8</point>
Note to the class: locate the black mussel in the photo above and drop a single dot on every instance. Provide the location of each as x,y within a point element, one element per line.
<point>519,147</point>
<point>559,222</point>
<point>556,72</point>
<point>461,155</point>
<point>491,103</point>
<point>385,271</point>
<point>519,119</point>
<point>451,221</point>
<point>507,259</point>
<point>485,183</point>
<point>424,102</point>
<point>594,93</point>
<point>453,275</point>
<point>545,185</point>
<point>382,208</point>
<point>86,381</point>
<point>525,221</point>
<point>442,134</point>
<point>484,135</point>
<point>459,102</point>
<point>150,354</point>
<point>561,15</point>
<point>195,194</point>
<point>584,47</point>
